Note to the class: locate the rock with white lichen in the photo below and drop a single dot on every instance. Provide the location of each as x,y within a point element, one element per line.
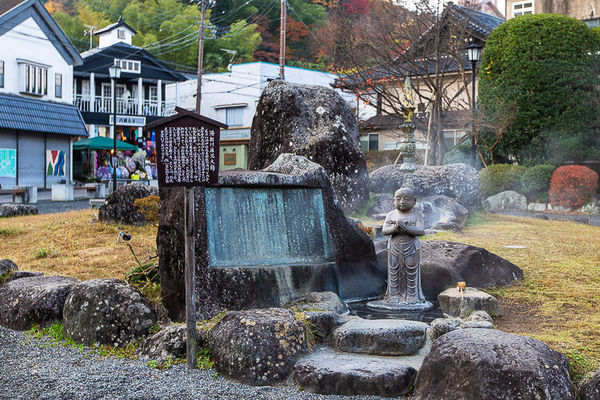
<point>33,301</point>
<point>106,311</point>
<point>314,122</point>
<point>257,347</point>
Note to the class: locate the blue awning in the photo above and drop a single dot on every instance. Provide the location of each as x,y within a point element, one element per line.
<point>40,116</point>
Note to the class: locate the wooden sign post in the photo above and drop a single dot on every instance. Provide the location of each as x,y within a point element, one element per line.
<point>187,148</point>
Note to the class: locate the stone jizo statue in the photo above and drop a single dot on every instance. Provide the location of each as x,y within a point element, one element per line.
<point>403,225</point>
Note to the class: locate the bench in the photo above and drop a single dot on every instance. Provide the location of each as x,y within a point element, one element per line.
<point>27,194</point>
<point>96,203</point>
<point>95,191</point>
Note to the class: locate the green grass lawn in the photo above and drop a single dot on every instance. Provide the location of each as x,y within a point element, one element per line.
<point>558,300</point>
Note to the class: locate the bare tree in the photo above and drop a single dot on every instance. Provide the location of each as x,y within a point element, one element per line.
<point>375,52</point>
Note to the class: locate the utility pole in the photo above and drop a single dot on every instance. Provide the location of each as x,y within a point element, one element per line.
<point>282,40</point>
<point>90,31</point>
<point>200,58</point>
<point>190,228</point>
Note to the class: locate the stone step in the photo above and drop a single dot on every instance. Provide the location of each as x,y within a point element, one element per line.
<point>386,337</point>
<point>328,371</point>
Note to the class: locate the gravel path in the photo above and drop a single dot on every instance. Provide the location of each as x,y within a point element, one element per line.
<point>51,207</point>
<point>35,369</point>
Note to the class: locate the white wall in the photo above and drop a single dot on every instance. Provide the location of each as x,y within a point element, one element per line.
<point>244,85</point>
<point>111,37</point>
<point>28,42</point>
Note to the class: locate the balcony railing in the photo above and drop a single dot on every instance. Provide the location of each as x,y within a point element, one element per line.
<point>101,104</point>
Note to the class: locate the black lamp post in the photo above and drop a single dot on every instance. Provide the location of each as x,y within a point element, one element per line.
<point>115,73</point>
<point>474,54</point>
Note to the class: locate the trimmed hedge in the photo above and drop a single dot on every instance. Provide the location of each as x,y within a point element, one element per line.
<point>539,77</point>
<point>572,186</point>
<point>500,177</point>
<point>535,182</point>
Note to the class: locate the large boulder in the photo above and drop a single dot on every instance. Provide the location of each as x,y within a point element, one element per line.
<point>119,207</point>
<point>106,311</point>
<point>314,122</point>
<point>343,374</point>
<point>382,204</point>
<point>33,301</point>
<point>478,364</point>
<point>507,200</point>
<point>441,326</point>
<point>167,344</point>
<point>443,264</point>
<point>257,347</point>
<point>15,210</point>
<point>439,212</point>
<point>386,337</point>
<point>349,267</point>
<point>590,389</point>
<point>6,267</point>
<point>455,303</point>
<point>326,301</point>
<point>11,276</point>
<point>458,181</point>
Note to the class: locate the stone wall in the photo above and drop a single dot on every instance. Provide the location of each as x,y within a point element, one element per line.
<point>350,268</point>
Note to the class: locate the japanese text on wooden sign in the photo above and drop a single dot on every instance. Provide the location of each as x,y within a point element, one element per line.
<point>188,155</point>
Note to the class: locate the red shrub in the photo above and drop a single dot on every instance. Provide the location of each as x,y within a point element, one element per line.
<point>572,186</point>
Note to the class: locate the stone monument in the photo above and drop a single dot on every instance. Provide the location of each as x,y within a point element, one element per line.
<point>403,225</point>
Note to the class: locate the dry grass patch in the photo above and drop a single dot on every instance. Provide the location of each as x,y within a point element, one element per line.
<point>558,300</point>
<point>71,244</point>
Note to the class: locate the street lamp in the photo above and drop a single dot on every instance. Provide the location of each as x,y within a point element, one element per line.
<point>474,54</point>
<point>115,73</point>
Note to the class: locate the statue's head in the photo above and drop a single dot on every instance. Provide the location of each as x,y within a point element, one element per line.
<point>404,199</point>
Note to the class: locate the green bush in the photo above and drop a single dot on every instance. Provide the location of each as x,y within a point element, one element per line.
<point>500,177</point>
<point>536,181</point>
<point>575,149</point>
<point>538,81</point>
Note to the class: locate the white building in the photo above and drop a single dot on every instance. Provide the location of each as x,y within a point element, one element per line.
<point>231,98</point>
<point>38,122</point>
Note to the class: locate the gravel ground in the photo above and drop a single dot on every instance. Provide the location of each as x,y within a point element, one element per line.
<point>36,369</point>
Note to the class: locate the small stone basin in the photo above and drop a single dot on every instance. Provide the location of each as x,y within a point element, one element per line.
<point>360,309</point>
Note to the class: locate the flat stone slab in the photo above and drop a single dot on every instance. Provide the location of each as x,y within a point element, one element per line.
<point>387,337</point>
<point>457,304</point>
<point>330,372</point>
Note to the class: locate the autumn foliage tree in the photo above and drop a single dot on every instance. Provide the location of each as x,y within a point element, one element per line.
<point>374,52</point>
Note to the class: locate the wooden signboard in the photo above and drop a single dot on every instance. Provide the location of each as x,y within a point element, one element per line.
<point>187,153</point>
<point>187,147</point>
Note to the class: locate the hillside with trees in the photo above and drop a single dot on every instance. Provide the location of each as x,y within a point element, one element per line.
<point>169,28</point>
